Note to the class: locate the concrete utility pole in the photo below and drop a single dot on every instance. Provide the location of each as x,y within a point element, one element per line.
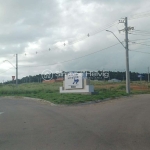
<point>125,21</point>
<point>127,57</point>
<point>148,74</point>
<point>16,69</point>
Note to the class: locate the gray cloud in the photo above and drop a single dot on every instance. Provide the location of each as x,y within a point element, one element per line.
<point>27,27</point>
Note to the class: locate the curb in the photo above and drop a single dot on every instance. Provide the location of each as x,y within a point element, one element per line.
<point>30,98</point>
<point>52,104</point>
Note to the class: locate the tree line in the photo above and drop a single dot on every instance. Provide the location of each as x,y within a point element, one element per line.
<point>99,75</point>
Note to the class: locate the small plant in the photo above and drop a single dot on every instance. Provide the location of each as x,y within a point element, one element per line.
<point>121,87</point>
<point>104,90</point>
<point>111,88</point>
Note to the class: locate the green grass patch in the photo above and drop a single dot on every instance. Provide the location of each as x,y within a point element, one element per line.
<point>50,92</point>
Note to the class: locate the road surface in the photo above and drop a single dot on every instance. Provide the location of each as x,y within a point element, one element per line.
<point>121,124</point>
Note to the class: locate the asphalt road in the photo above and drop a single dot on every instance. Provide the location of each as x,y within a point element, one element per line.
<point>121,124</point>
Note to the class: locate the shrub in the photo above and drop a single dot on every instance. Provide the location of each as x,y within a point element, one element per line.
<point>122,87</point>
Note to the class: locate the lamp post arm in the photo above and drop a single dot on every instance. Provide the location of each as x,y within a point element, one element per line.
<point>10,63</point>
<point>116,38</point>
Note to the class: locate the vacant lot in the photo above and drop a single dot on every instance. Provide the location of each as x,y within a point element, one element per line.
<point>51,93</point>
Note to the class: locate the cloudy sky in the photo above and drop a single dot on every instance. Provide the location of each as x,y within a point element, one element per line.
<point>46,34</point>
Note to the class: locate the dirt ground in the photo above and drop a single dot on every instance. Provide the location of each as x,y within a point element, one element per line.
<point>134,86</point>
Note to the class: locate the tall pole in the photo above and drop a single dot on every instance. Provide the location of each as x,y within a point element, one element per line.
<point>127,51</point>
<point>148,74</point>
<point>16,69</point>
<point>127,57</point>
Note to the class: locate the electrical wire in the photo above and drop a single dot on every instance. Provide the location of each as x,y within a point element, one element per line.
<point>8,59</point>
<point>140,39</point>
<point>139,48</point>
<point>138,34</point>
<point>139,51</point>
<point>73,58</point>
<point>140,43</point>
<point>143,31</point>
<point>74,41</point>
<point>136,16</point>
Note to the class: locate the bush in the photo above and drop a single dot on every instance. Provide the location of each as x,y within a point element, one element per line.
<point>122,87</point>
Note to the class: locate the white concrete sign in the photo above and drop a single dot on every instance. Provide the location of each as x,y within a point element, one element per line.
<point>74,81</point>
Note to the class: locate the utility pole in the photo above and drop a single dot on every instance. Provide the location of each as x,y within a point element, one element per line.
<point>127,57</point>
<point>148,74</point>
<point>126,29</point>
<point>16,69</point>
<point>125,22</point>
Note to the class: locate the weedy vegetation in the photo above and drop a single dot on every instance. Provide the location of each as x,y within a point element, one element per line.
<point>50,92</point>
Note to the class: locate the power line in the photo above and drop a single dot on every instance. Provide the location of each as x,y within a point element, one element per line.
<point>143,42</point>
<point>140,39</point>
<point>76,40</point>
<point>139,48</point>
<point>139,51</point>
<point>78,58</point>
<point>143,31</point>
<point>135,16</point>
<point>139,34</point>
<point>74,58</point>
<point>97,31</point>
<point>84,37</point>
<point>140,43</point>
<point>8,59</point>
<point>73,42</point>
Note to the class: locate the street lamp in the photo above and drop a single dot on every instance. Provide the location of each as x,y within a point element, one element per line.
<point>15,68</point>
<point>116,38</point>
<point>10,63</point>
<point>127,65</point>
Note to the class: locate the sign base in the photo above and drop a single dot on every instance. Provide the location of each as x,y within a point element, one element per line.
<point>87,89</point>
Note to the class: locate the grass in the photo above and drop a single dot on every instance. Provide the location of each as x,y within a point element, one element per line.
<point>50,92</point>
